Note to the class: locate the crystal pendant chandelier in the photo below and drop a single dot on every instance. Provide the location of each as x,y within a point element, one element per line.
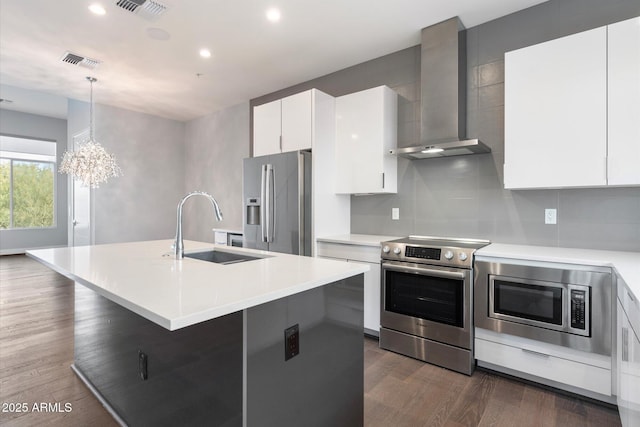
<point>90,163</point>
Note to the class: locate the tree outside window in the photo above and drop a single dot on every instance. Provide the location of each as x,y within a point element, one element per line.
<point>27,183</point>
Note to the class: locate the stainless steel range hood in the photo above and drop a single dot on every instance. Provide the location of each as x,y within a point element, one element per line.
<point>443,149</point>
<point>443,79</point>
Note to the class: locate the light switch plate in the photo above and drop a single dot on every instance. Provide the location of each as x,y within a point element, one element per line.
<point>395,213</point>
<point>550,216</point>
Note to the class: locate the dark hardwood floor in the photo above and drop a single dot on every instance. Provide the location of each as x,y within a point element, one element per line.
<point>36,350</point>
<point>400,391</point>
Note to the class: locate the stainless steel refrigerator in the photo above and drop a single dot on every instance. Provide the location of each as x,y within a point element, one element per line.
<point>276,193</point>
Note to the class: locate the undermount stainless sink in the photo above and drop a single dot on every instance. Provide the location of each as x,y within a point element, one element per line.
<point>221,257</point>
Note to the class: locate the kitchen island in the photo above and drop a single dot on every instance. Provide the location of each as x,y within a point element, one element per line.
<point>177,342</point>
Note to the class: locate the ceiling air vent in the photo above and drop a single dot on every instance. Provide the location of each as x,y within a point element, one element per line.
<point>81,61</point>
<point>147,9</point>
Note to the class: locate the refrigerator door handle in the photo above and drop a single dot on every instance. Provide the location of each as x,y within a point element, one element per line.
<point>263,199</point>
<point>267,211</point>
<point>271,205</point>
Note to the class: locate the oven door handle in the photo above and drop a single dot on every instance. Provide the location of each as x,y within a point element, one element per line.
<point>426,271</point>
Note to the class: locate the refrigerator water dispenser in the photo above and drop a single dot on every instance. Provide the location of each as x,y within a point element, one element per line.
<point>253,211</point>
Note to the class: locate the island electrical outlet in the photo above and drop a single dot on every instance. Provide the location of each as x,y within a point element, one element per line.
<point>291,342</point>
<point>143,361</point>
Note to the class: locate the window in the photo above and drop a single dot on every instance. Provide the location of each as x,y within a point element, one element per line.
<point>27,183</point>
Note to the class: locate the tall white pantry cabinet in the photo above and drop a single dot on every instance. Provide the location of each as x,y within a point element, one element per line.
<point>306,121</point>
<point>571,110</point>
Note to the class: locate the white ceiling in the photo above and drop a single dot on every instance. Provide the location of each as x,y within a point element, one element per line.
<point>250,55</point>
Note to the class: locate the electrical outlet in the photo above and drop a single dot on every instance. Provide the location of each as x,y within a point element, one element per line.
<point>143,361</point>
<point>550,216</point>
<point>291,342</point>
<point>395,213</point>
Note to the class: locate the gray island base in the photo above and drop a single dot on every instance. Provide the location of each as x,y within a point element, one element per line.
<point>230,370</point>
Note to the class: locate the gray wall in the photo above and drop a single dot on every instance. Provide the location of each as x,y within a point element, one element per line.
<point>214,148</point>
<point>464,196</point>
<point>141,204</point>
<point>14,123</point>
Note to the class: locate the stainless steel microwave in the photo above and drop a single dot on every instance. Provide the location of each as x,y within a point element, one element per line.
<point>563,304</point>
<point>557,306</point>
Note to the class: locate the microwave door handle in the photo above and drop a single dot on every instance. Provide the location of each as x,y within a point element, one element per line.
<point>425,271</point>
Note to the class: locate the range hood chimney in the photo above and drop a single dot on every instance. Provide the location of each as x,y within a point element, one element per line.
<point>443,78</point>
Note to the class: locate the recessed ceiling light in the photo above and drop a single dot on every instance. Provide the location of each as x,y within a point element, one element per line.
<point>97,9</point>
<point>205,53</point>
<point>273,15</point>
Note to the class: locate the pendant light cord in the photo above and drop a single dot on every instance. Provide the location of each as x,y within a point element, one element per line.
<point>91,113</point>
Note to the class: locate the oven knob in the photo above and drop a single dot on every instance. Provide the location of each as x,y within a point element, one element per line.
<point>448,255</point>
<point>397,251</point>
<point>462,256</point>
<point>385,249</point>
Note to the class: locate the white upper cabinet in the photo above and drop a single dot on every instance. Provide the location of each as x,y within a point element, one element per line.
<point>624,102</point>
<point>571,110</point>
<point>297,111</point>
<point>366,129</point>
<point>283,125</point>
<point>266,128</point>
<point>556,113</point>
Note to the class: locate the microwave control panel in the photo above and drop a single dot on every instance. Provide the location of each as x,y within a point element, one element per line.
<point>578,308</point>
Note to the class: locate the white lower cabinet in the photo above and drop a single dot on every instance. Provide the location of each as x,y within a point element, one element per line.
<point>628,358</point>
<point>371,297</point>
<point>576,371</point>
<point>361,254</point>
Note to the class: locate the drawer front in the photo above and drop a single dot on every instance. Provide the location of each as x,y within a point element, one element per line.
<point>545,366</point>
<point>352,252</point>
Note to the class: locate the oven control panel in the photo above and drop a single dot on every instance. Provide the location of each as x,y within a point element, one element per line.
<point>456,257</point>
<point>424,253</point>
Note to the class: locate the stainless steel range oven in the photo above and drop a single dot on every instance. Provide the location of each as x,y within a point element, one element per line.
<point>427,300</point>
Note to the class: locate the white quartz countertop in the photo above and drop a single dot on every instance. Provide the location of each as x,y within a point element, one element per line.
<point>357,239</point>
<point>626,264</point>
<point>144,278</point>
